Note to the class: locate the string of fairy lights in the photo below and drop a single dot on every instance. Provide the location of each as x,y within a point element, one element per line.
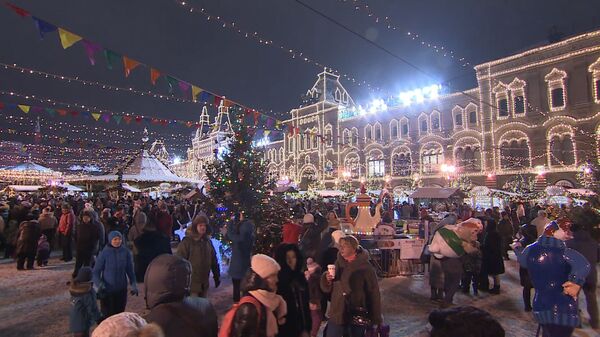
<point>387,22</point>
<point>293,53</point>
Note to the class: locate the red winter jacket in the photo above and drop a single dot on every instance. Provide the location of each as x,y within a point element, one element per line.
<point>164,223</point>
<point>291,232</point>
<point>66,223</point>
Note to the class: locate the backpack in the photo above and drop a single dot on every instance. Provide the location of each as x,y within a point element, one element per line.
<point>225,330</point>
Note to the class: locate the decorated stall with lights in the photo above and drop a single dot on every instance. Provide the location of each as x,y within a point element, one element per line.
<point>483,197</point>
<point>28,173</point>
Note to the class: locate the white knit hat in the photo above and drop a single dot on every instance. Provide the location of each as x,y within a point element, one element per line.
<point>264,265</point>
<point>308,218</point>
<point>337,235</point>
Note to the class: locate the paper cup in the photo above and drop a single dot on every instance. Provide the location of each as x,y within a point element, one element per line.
<point>331,270</point>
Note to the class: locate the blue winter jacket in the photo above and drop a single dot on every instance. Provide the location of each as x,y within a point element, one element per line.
<point>550,264</point>
<point>84,311</point>
<point>112,268</point>
<point>241,249</point>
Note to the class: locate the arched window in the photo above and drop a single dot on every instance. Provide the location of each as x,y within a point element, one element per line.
<point>502,95</point>
<point>436,123</point>
<point>378,133</point>
<point>404,128</point>
<point>281,154</point>
<point>351,165</point>
<point>562,150</point>
<point>401,163</point>
<point>557,96</point>
<point>514,154</point>
<point>368,132</point>
<point>432,157</point>
<point>594,68</point>
<point>301,141</point>
<point>394,129</point>
<point>519,101</point>
<point>328,136</point>
<point>423,124</point>
<point>468,158</point>
<point>355,136</point>
<point>375,164</point>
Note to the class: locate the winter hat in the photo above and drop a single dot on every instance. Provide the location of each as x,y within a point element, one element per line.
<point>264,265</point>
<point>114,234</point>
<point>88,212</point>
<point>308,218</point>
<point>472,223</point>
<point>126,324</point>
<point>84,275</point>
<point>337,235</point>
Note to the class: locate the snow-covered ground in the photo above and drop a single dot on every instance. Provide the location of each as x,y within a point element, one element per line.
<point>35,303</point>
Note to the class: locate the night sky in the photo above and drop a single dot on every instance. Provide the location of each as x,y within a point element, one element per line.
<point>166,35</point>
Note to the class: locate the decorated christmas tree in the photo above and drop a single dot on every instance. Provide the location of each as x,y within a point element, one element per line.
<point>239,182</point>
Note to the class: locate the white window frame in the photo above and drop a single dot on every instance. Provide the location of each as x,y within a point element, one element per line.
<point>439,116</point>
<point>501,92</point>
<point>328,135</point>
<point>556,79</point>
<point>403,121</point>
<point>394,122</point>
<point>594,68</point>
<point>422,117</point>
<point>377,126</point>
<point>471,107</point>
<point>368,132</point>
<point>458,110</point>
<point>517,88</point>
<point>354,136</point>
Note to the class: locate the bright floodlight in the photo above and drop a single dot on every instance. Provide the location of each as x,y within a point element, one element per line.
<point>434,91</point>
<point>419,97</point>
<point>176,160</point>
<point>405,98</point>
<point>377,105</point>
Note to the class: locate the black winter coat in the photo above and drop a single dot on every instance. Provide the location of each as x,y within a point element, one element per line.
<point>246,320</point>
<point>149,245</point>
<point>167,284</point>
<point>293,287</point>
<point>492,261</point>
<point>27,237</point>
<point>87,236</point>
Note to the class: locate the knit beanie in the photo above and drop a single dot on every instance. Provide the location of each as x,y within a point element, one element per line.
<point>308,218</point>
<point>264,265</point>
<point>84,275</point>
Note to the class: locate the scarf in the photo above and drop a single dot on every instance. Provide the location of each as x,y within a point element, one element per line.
<point>275,306</point>
<point>350,258</point>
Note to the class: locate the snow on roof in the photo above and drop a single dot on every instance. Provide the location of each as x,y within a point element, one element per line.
<point>434,193</point>
<point>28,166</point>
<point>24,188</point>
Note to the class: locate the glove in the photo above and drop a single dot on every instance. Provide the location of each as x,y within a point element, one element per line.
<point>134,291</point>
<point>217,282</point>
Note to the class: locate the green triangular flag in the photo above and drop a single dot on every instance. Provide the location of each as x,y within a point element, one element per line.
<point>112,58</point>
<point>51,112</point>
<point>173,82</point>
<point>117,119</point>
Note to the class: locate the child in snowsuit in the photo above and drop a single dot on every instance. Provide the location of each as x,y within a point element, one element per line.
<point>43,251</point>
<point>313,276</point>
<point>84,311</point>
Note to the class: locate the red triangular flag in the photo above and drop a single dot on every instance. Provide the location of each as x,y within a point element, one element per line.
<point>129,65</point>
<point>20,11</point>
<point>154,75</point>
<point>127,119</point>
<point>62,112</point>
<point>218,100</point>
<point>138,119</point>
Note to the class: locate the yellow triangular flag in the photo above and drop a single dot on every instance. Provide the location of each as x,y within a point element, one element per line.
<point>195,92</point>
<point>25,108</point>
<point>67,39</point>
<point>96,116</point>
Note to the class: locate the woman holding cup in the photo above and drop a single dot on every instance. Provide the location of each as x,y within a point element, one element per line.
<point>352,283</point>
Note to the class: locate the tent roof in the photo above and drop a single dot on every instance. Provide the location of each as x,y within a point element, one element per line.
<point>435,193</point>
<point>28,166</point>
<point>144,168</point>
<point>24,188</point>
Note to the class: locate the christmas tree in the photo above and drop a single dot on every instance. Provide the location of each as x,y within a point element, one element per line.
<point>239,182</point>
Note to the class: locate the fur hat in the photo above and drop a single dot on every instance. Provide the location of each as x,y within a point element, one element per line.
<point>264,265</point>
<point>127,324</point>
<point>308,218</point>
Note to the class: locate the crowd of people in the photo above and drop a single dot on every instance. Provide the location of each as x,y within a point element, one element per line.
<point>316,274</point>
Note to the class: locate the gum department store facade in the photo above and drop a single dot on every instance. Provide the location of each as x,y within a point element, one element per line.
<point>535,111</point>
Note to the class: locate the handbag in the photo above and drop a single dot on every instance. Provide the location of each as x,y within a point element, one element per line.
<point>358,316</point>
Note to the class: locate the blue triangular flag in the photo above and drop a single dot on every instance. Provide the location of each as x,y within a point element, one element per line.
<point>43,26</point>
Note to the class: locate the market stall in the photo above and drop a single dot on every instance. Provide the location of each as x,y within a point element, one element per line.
<point>483,197</point>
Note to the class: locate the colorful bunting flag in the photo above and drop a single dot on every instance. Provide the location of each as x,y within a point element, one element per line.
<point>172,82</point>
<point>43,26</point>
<point>106,117</point>
<point>195,92</point>
<point>111,58</point>
<point>205,96</point>
<point>127,119</point>
<point>129,65</point>
<point>24,108</point>
<point>62,112</point>
<point>74,113</point>
<point>218,100</point>
<point>86,114</point>
<point>138,119</point>
<point>51,112</point>
<point>117,118</point>
<point>91,49</point>
<point>96,116</point>
<point>20,11</point>
<point>67,39</point>
<point>184,86</point>
<point>154,75</point>
<point>1,105</point>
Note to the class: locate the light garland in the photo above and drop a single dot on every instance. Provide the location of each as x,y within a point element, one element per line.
<point>255,36</point>
<point>386,22</point>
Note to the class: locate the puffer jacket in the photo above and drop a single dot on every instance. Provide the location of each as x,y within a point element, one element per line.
<point>167,284</point>
<point>67,223</point>
<point>113,267</point>
<point>149,245</point>
<point>246,320</point>
<point>201,254</point>
<point>27,237</point>
<point>84,311</point>
<point>358,281</point>
<point>47,221</point>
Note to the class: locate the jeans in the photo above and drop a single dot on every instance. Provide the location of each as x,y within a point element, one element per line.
<point>113,303</point>
<point>335,330</point>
